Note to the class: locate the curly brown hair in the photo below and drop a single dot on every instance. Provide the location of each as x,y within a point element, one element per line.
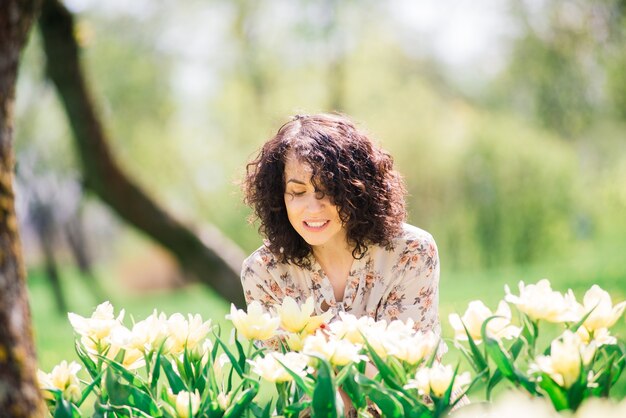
<point>357,176</point>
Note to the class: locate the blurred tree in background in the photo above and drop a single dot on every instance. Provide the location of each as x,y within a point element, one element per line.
<point>19,392</point>
<point>513,157</point>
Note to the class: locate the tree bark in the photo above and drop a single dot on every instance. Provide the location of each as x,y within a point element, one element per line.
<point>215,261</point>
<point>19,391</point>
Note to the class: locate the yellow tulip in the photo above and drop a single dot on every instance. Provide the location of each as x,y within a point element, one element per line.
<point>255,324</point>
<point>296,319</point>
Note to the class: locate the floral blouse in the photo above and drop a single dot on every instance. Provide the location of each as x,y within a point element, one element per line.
<point>400,281</point>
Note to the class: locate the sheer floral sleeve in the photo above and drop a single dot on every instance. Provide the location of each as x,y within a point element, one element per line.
<point>414,292</point>
<point>257,281</point>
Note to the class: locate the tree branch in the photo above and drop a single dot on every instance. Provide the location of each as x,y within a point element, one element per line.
<point>103,176</point>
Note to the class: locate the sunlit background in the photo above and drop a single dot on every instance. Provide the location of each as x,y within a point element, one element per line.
<point>507,119</point>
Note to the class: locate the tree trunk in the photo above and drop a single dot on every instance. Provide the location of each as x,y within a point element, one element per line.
<point>217,261</point>
<point>19,391</point>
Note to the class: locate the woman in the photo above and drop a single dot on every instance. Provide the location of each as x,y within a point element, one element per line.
<point>331,208</point>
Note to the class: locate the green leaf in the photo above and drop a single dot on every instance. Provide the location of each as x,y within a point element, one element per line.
<point>65,409</point>
<point>479,362</point>
<point>174,380</point>
<point>306,384</point>
<point>383,397</point>
<point>530,331</point>
<point>556,393</point>
<point>156,372</point>
<point>324,402</point>
<point>343,373</point>
<point>353,389</point>
<point>385,372</point>
<point>96,382</point>
<point>502,360</point>
<point>493,382</point>
<point>123,411</point>
<point>189,372</point>
<point>130,377</point>
<point>121,394</point>
<point>476,379</point>
<point>243,401</point>
<point>497,376</point>
<point>90,365</point>
<point>294,409</point>
<point>242,355</point>
<point>582,320</point>
<point>230,355</point>
<point>576,393</point>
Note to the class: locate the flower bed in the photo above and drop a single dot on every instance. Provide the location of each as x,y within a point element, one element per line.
<point>183,367</point>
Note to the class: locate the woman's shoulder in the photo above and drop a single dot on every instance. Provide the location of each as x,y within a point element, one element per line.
<point>262,257</point>
<point>411,237</point>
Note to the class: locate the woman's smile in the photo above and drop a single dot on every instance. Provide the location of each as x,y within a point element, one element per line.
<point>316,225</point>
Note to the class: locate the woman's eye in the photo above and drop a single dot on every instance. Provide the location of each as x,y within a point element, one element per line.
<point>297,193</point>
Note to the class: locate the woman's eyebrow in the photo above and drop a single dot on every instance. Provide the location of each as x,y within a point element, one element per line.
<point>296,181</point>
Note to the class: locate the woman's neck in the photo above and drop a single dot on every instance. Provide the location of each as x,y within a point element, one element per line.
<point>336,263</point>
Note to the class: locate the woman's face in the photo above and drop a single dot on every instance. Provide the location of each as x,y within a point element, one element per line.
<point>311,214</point>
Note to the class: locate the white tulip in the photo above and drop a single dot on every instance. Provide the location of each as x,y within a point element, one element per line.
<point>223,400</point>
<point>601,336</point>
<point>120,338</point>
<point>102,333</point>
<point>271,369</point>
<point>563,364</point>
<point>437,379</point>
<point>474,317</point>
<point>64,378</point>
<point>184,402</point>
<point>218,365</point>
<point>338,352</point>
<point>401,329</point>
<point>97,327</point>
<point>378,338</point>
<point>351,328</point>
<point>539,301</point>
<point>255,324</point>
<point>413,349</point>
<point>190,333</point>
<point>148,335</point>
<point>295,342</point>
<point>603,313</point>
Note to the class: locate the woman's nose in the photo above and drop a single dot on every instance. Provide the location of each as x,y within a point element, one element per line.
<point>314,204</point>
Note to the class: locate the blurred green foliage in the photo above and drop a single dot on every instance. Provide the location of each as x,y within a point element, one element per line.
<point>525,170</point>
